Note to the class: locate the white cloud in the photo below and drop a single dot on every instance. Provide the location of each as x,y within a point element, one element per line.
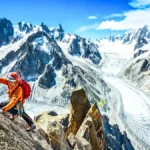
<point>113,15</point>
<point>133,19</point>
<point>139,3</point>
<point>92,17</point>
<point>85,28</point>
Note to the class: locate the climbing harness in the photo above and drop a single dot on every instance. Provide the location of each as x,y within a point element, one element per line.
<point>20,109</point>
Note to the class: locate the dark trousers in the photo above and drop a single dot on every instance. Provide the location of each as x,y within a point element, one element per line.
<point>14,111</point>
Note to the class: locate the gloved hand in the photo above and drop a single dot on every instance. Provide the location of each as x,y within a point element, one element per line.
<point>1,111</point>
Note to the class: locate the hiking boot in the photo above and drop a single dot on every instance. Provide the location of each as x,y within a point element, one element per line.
<point>13,117</point>
<point>32,127</point>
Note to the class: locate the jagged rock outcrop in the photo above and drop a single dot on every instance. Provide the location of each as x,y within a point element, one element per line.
<point>81,47</point>
<point>25,27</point>
<point>45,28</point>
<point>48,78</point>
<point>74,48</point>
<point>139,36</point>
<point>140,43</point>
<point>126,38</point>
<point>139,52</point>
<point>55,127</point>
<point>143,32</point>
<point>14,137</point>
<point>6,31</point>
<point>85,123</point>
<point>111,39</point>
<point>90,135</point>
<point>79,101</point>
<point>59,33</point>
<point>90,51</point>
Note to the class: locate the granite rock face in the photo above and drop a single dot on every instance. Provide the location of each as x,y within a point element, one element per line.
<point>85,123</point>
<point>79,102</point>
<point>54,126</point>
<point>14,137</point>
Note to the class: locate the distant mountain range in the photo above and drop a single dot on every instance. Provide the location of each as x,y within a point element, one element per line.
<point>138,38</point>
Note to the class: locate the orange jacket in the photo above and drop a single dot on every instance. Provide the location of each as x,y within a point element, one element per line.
<point>14,96</point>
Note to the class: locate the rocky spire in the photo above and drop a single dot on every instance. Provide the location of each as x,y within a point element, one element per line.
<point>45,28</point>
<point>6,31</point>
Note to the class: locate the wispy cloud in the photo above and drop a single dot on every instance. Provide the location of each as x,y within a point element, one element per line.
<point>133,19</point>
<point>113,15</point>
<point>139,3</point>
<point>89,27</point>
<point>92,17</point>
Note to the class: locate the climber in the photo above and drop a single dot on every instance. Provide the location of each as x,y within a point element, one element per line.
<point>16,99</point>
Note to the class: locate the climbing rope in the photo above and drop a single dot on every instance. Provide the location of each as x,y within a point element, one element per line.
<point>50,135</point>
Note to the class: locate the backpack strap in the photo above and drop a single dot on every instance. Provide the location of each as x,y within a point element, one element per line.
<point>19,73</point>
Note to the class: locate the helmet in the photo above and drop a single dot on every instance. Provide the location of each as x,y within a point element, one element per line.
<point>12,76</point>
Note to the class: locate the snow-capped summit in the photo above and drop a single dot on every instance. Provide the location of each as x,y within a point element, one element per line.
<point>140,37</point>
<point>81,47</point>
<point>59,33</point>
<point>45,28</point>
<point>25,27</point>
<point>111,39</point>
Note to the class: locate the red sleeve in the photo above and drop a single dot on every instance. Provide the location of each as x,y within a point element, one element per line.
<point>4,81</point>
<point>15,98</point>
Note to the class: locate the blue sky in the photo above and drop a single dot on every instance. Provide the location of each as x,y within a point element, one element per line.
<point>87,18</point>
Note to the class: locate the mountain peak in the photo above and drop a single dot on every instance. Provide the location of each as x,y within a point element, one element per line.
<point>45,27</point>
<point>25,27</point>
<point>6,31</point>
<point>111,39</point>
<point>59,28</point>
